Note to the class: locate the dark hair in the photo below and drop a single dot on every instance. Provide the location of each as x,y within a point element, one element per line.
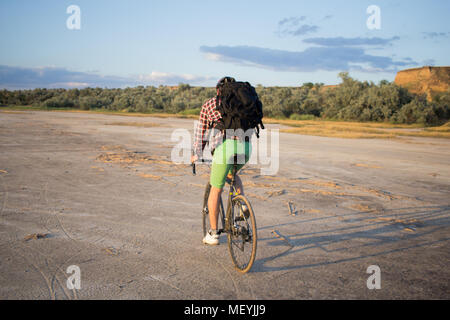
<point>223,81</point>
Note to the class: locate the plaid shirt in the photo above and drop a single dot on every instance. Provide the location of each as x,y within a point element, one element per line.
<point>208,116</point>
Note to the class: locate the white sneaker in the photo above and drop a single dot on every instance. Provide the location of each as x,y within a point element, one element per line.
<point>211,239</point>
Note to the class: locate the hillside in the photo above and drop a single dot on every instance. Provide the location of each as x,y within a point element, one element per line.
<point>428,80</point>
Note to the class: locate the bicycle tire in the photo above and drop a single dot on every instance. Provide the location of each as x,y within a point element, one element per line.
<point>240,239</point>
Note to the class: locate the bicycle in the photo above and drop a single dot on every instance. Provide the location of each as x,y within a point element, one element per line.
<point>240,227</point>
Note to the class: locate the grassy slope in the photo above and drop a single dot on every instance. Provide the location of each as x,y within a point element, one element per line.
<point>358,130</point>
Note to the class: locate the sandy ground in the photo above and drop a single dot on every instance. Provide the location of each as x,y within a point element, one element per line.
<point>77,189</point>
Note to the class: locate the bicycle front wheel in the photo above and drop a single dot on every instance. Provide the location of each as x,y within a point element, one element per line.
<point>242,237</point>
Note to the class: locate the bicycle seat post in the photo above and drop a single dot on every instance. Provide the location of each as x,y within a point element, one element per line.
<point>233,173</point>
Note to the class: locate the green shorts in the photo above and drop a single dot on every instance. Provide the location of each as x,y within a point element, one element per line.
<point>222,163</point>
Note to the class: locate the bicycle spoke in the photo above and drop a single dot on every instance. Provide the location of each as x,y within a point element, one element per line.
<point>236,244</point>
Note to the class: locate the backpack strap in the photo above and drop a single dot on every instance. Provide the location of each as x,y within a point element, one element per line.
<point>260,124</point>
<point>219,125</point>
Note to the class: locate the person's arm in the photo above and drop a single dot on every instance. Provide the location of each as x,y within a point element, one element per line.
<point>199,136</point>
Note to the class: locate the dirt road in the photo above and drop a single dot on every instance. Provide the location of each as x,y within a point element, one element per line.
<point>100,192</point>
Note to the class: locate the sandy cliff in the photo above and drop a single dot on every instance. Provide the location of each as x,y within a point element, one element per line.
<point>428,80</point>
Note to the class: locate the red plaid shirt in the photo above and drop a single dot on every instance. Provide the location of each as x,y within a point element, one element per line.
<point>208,116</point>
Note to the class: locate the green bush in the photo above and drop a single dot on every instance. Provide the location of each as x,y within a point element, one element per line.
<point>441,106</point>
<point>352,100</point>
<point>89,103</point>
<point>188,112</point>
<point>58,102</point>
<point>417,111</point>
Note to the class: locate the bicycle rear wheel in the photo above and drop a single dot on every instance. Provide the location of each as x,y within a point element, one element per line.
<point>242,235</point>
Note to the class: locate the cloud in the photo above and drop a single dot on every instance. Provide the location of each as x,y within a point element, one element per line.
<point>171,78</point>
<point>292,20</point>
<point>434,35</point>
<point>291,26</point>
<point>309,60</point>
<point>344,42</point>
<point>303,29</point>
<point>52,77</point>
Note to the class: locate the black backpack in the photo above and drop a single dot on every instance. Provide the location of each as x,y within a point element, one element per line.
<point>240,107</point>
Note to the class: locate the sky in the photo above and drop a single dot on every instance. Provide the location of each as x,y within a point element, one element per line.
<point>166,42</point>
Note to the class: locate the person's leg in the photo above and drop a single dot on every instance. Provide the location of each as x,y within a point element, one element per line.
<point>213,206</point>
<point>219,169</point>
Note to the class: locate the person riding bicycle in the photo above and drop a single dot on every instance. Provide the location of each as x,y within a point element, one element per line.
<point>224,147</point>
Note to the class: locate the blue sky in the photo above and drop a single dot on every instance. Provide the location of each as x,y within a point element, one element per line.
<point>273,43</point>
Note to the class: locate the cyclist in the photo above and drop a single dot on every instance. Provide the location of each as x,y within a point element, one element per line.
<point>223,148</point>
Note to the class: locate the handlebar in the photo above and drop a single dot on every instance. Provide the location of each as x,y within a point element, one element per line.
<point>202,161</point>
